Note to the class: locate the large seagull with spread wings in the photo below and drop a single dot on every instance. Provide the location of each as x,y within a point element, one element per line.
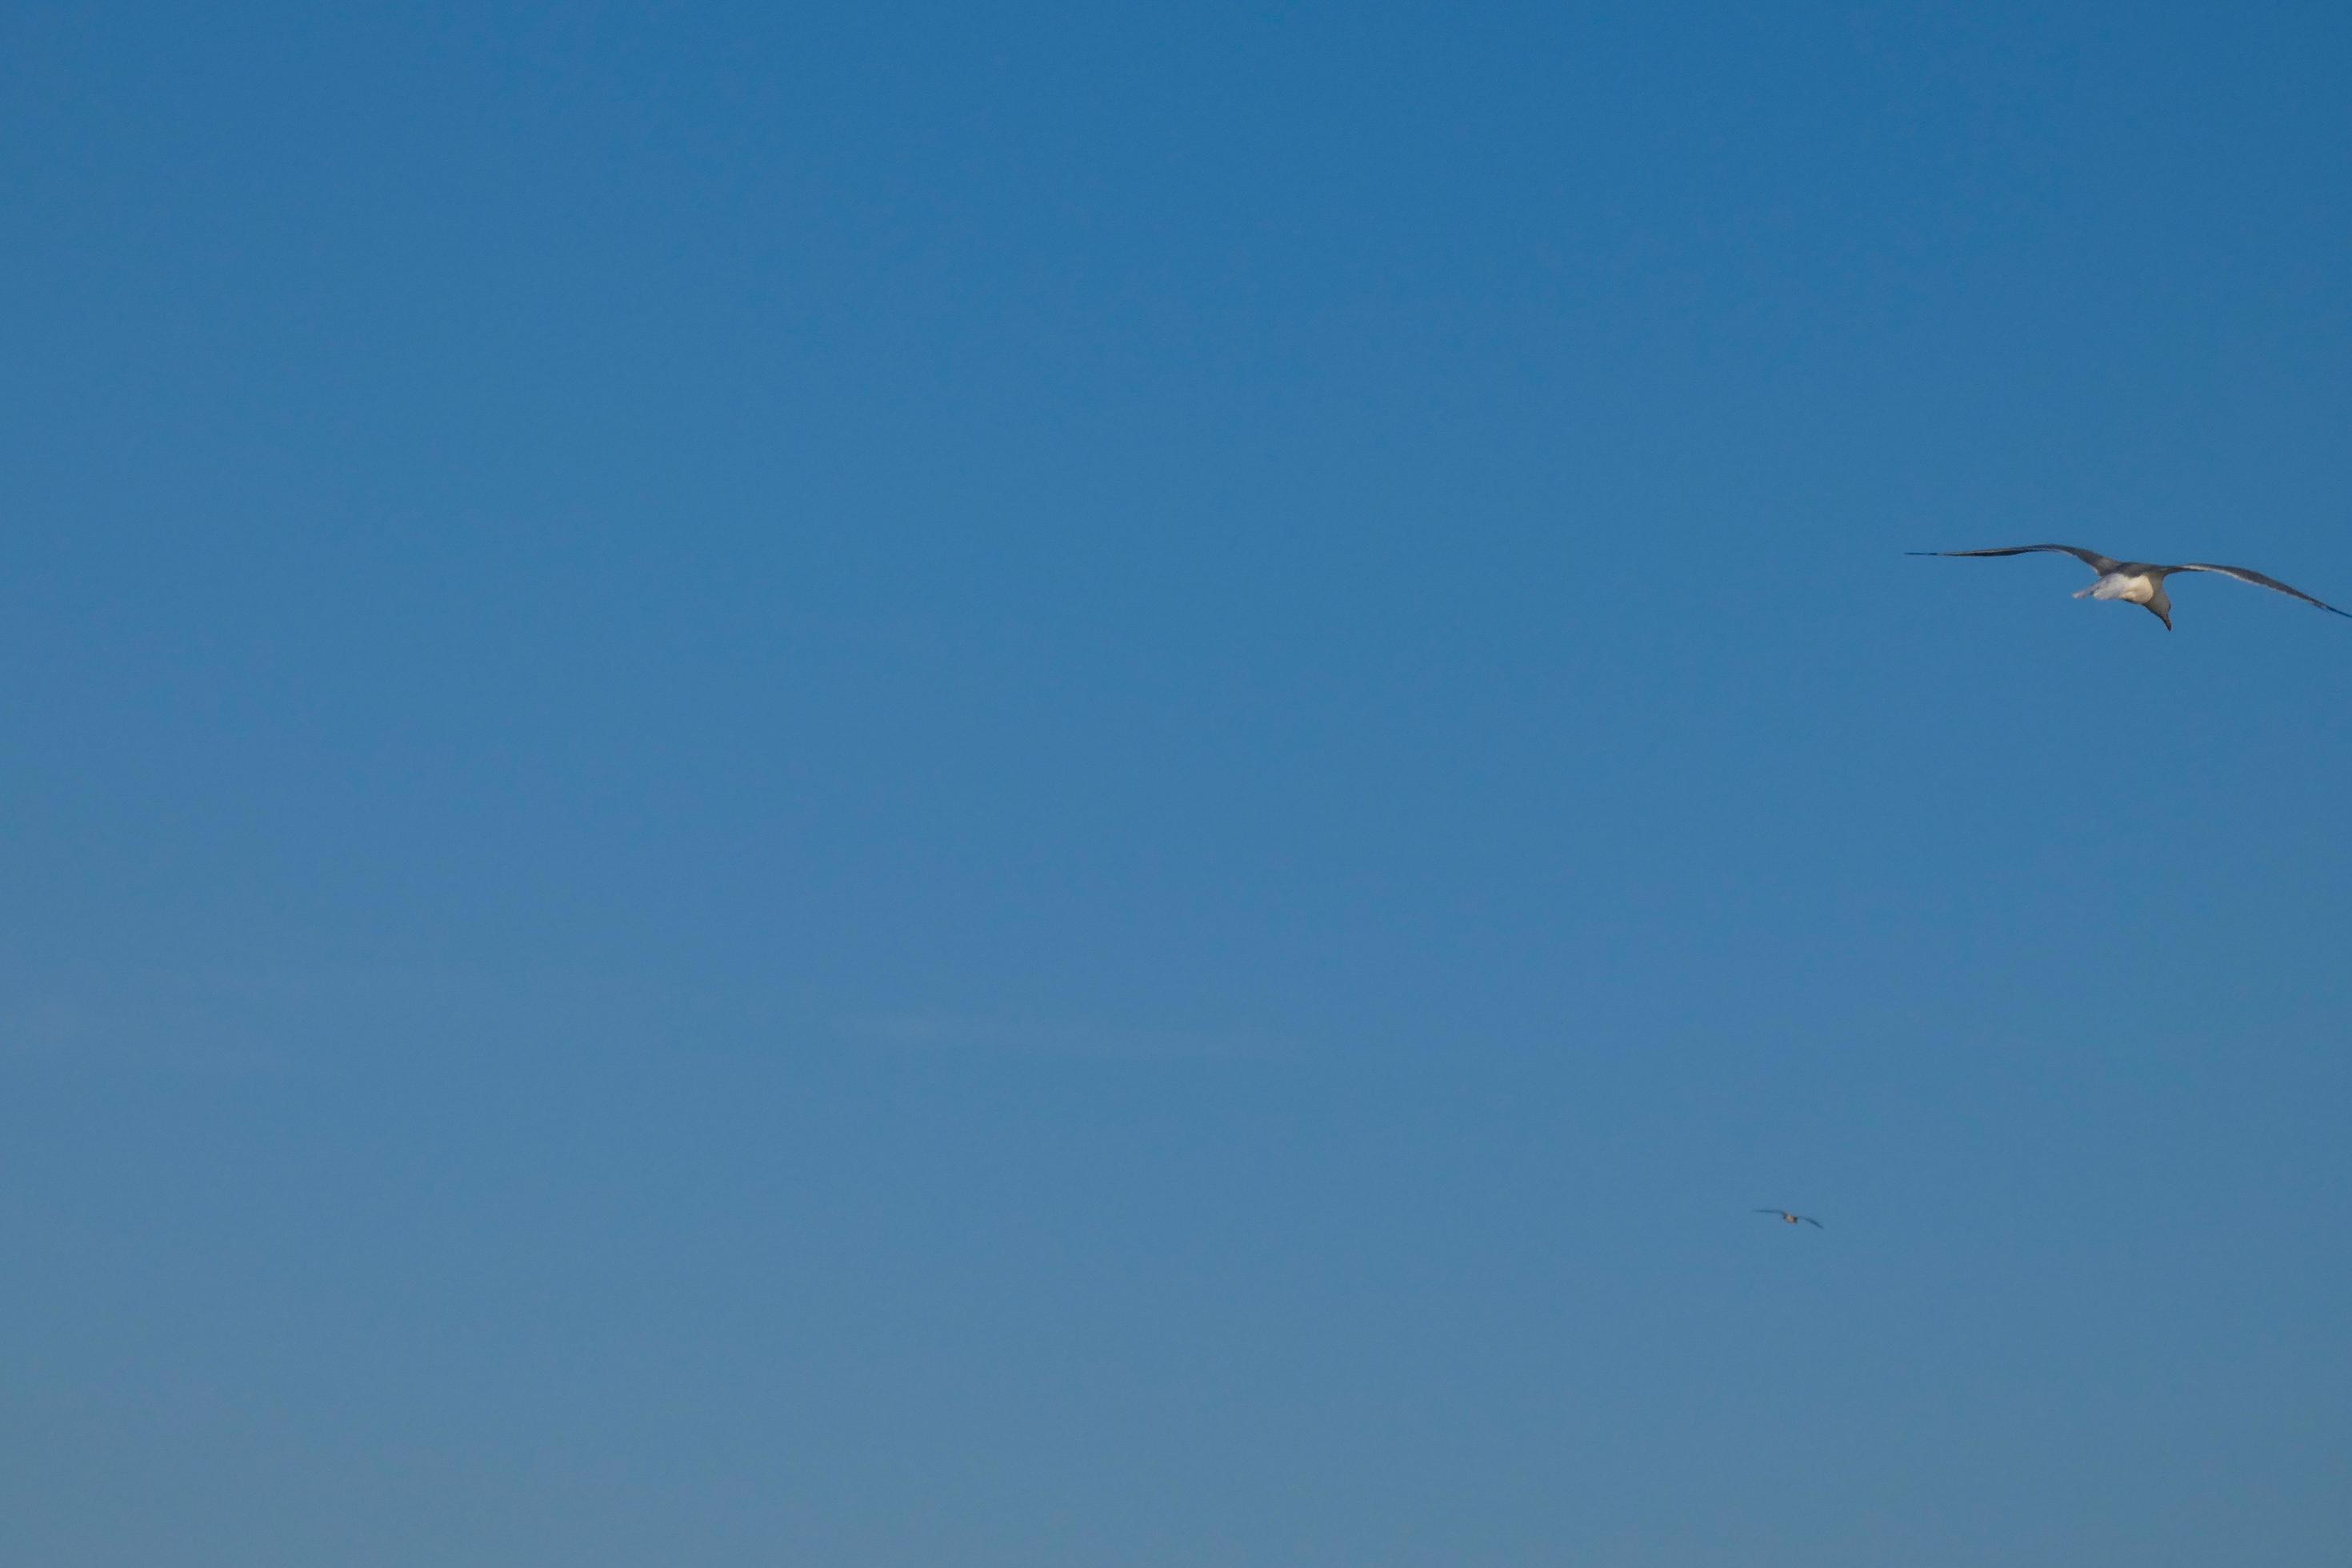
<point>2139,581</point>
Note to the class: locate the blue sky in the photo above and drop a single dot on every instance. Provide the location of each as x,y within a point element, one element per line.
<point>883,785</point>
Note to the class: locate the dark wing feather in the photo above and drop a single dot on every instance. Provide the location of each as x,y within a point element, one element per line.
<point>2259,581</point>
<point>2091,558</point>
<point>1812,1221</point>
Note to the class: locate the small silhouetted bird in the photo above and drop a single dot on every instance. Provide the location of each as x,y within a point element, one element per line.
<point>2139,581</point>
<point>1793,1218</point>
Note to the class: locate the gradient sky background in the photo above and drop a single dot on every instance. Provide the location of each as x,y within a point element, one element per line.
<point>1042,785</point>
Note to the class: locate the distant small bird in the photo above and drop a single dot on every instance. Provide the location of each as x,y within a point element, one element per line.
<point>1793,1218</point>
<point>2138,582</point>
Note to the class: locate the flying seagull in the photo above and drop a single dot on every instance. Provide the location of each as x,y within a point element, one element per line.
<point>2138,582</point>
<point>1793,1218</point>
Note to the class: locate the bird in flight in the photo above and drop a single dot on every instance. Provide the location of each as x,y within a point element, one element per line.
<point>2138,582</point>
<point>1793,1218</point>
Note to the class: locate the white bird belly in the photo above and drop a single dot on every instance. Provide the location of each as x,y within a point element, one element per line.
<point>2132,588</point>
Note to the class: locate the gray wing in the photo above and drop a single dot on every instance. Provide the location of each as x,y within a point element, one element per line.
<point>1782,1213</point>
<point>1812,1221</point>
<point>2091,558</point>
<point>2259,581</point>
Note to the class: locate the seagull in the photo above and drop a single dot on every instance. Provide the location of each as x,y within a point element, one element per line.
<point>2138,582</point>
<point>1793,1218</point>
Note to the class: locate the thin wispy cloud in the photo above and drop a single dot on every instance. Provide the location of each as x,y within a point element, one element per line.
<point>269,1021</point>
<point>147,1025</point>
<point>980,1034</point>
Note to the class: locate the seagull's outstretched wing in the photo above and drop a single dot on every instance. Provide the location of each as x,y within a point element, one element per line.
<point>1812,1221</point>
<point>1782,1213</point>
<point>2097,562</point>
<point>2259,581</point>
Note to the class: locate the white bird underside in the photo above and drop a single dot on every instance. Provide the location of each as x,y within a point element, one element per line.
<point>2132,589</point>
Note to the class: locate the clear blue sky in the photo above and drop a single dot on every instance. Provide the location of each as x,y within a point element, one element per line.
<point>1064,787</point>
